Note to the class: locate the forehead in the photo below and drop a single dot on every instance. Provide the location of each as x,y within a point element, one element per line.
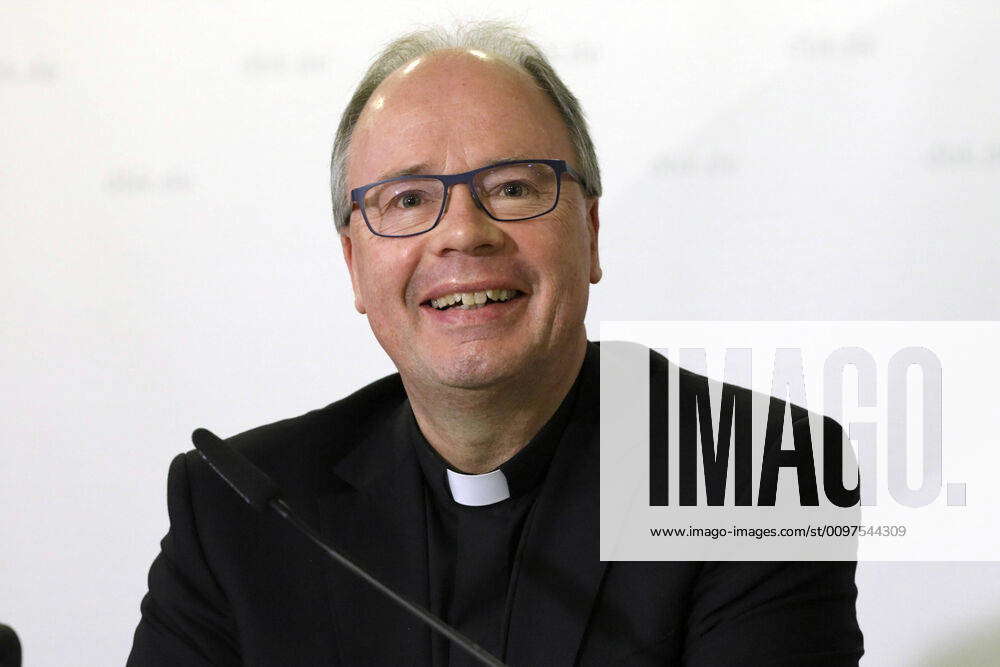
<point>452,111</point>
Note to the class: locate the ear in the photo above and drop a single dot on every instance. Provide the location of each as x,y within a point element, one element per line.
<point>345,243</point>
<point>593,226</point>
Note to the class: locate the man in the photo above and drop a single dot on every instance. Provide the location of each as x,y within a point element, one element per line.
<point>468,481</point>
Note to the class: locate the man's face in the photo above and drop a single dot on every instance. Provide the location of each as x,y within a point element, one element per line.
<point>452,112</point>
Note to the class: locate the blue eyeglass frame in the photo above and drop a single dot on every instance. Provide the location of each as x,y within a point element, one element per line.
<point>559,166</point>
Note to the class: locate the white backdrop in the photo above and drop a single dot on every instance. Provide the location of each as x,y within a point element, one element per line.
<point>168,260</point>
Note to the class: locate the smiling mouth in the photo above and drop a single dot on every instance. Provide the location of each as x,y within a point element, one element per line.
<point>473,300</point>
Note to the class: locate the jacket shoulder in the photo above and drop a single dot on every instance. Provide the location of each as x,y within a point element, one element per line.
<point>299,452</point>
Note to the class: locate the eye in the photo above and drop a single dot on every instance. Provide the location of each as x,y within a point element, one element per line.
<point>408,200</point>
<point>513,189</point>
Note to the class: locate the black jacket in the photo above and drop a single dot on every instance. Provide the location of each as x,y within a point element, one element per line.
<point>233,587</point>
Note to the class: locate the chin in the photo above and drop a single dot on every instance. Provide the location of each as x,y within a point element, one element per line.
<point>472,369</point>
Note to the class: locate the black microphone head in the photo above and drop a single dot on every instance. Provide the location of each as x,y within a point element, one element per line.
<point>249,481</point>
<point>10,647</point>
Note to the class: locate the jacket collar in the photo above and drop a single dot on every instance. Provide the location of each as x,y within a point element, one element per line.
<point>560,570</point>
<point>378,520</point>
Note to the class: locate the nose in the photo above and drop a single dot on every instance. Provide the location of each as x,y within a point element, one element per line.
<point>464,227</point>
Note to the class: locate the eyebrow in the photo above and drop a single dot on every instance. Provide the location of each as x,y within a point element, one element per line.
<point>423,168</point>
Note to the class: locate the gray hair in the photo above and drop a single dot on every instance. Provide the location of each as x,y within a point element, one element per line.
<point>498,38</point>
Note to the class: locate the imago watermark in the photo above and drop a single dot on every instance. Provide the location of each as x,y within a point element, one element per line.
<point>798,440</point>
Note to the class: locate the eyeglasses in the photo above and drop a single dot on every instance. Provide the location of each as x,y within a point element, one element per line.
<point>507,192</point>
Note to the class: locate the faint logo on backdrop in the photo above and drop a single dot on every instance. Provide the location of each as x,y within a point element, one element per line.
<point>963,156</point>
<point>137,180</point>
<point>578,53</point>
<point>36,72</point>
<point>277,65</point>
<point>815,46</point>
<point>695,163</point>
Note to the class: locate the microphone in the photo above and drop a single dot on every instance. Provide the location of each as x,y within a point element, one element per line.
<point>10,647</point>
<point>260,492</point>
<point>248,481</point>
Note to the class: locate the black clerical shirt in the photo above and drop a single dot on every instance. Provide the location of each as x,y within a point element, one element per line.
<point>474,551</point>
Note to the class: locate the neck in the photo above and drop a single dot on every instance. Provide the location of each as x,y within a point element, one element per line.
<point>477,430</point>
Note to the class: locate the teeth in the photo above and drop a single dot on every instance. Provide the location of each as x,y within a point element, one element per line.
<point>467,300</point>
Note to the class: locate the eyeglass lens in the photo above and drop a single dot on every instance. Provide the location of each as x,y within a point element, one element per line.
<point>508,192</point>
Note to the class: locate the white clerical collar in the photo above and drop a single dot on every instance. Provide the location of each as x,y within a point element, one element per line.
<point>478,490</point>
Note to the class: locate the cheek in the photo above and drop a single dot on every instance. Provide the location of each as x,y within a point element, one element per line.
<point>566,250</point>
<point>383,272</point>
